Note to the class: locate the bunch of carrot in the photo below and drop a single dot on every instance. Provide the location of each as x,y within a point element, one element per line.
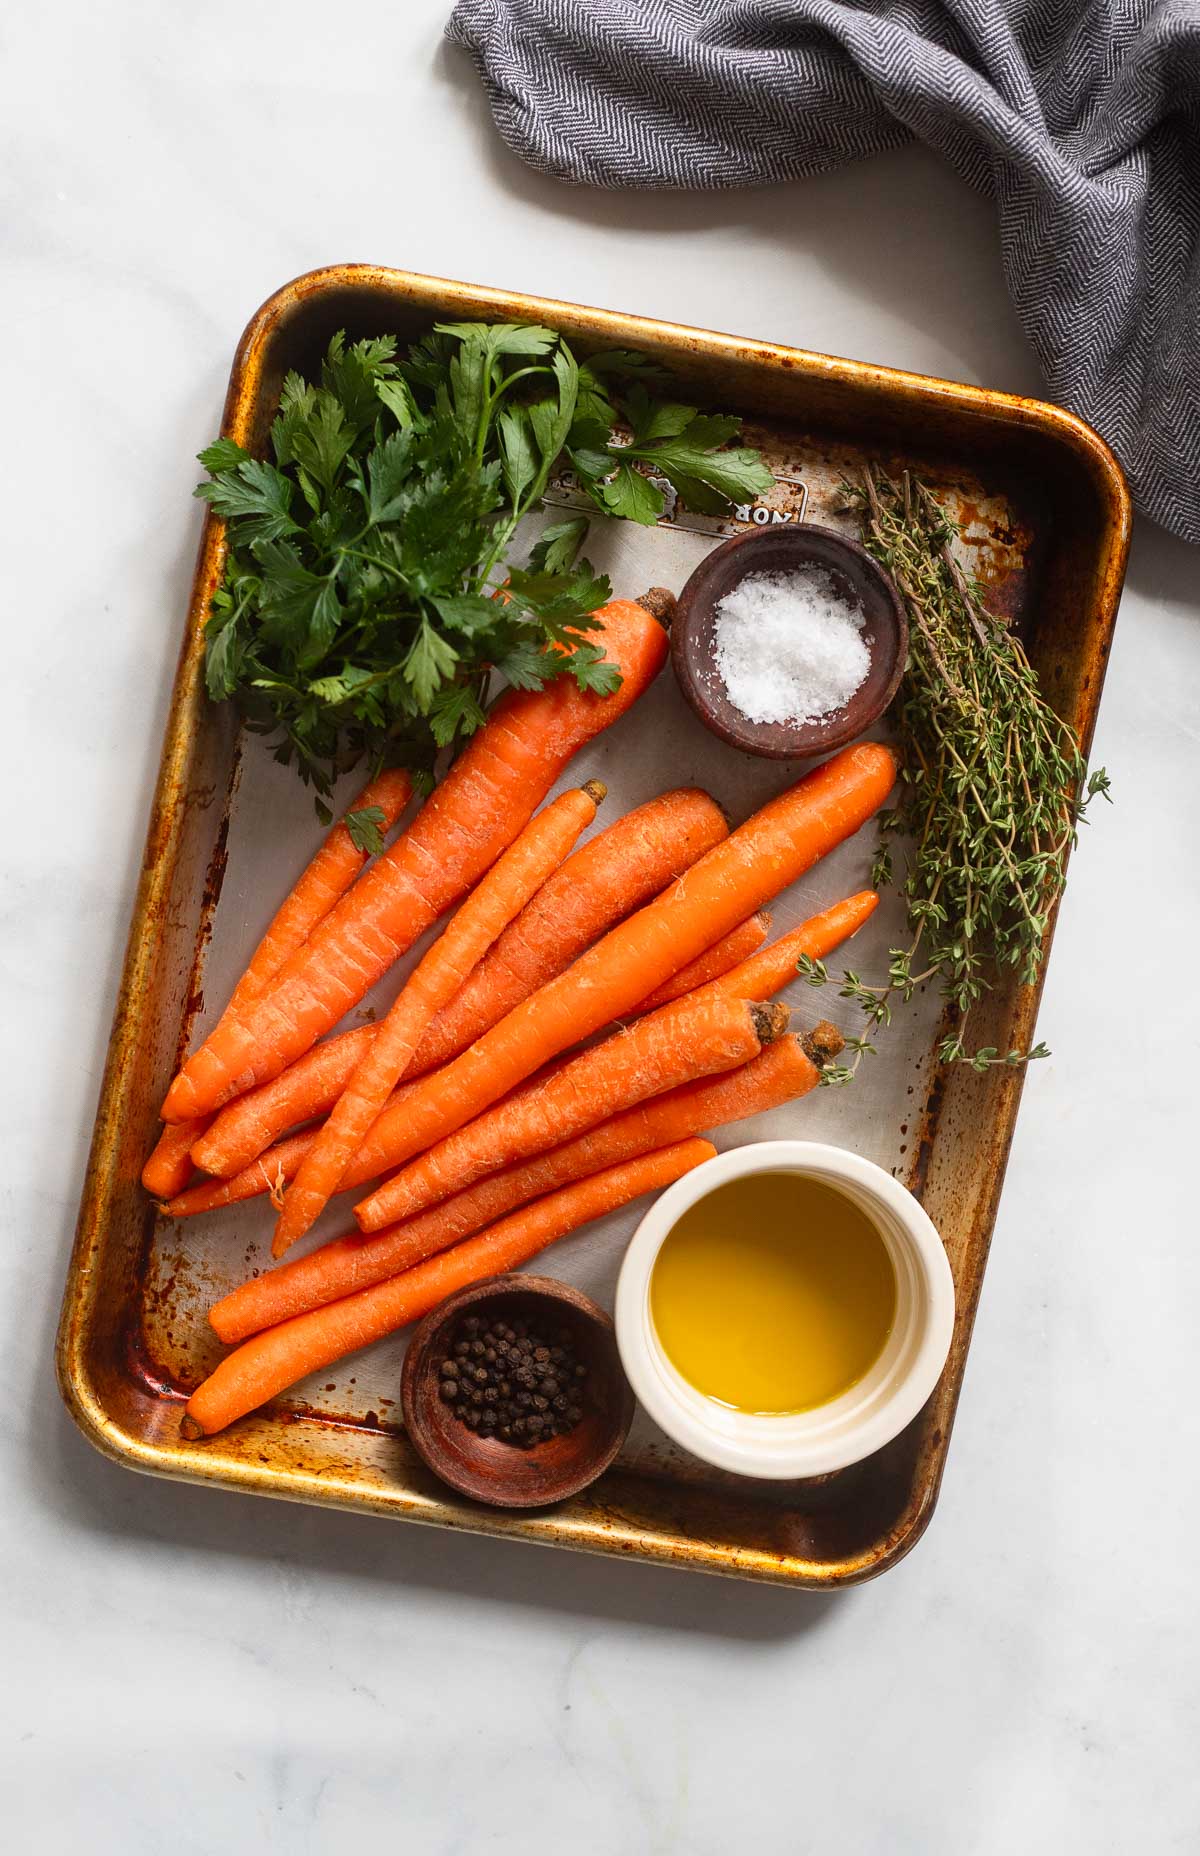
<point>497,1141</point>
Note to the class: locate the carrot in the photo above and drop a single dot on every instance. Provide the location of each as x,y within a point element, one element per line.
<point>517,874</point>
<point>170,1165</point>
<point>325,881</point>
<point>753,864</point>
<point>270,1362</point>
<point>615,873</point>
<point>246,1126</point>
<point>493,788</point>
<point>697,1036</point>
<point>266,1174</point>
<point>272,1170</point>
<point>387,1144</point>
<point>327,877</point>
<point>781,1072</point>
<point>724,954</point>
<point>774,967</point>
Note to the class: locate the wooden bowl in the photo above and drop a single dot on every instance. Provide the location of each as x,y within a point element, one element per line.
<point>485,1467</point>
<point>781,550</point>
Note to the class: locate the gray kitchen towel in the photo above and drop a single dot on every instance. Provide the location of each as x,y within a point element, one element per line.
<point>1081,121</point>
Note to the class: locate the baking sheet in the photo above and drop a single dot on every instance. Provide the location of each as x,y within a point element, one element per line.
<point>658,745</point>
<point>1046,518</point>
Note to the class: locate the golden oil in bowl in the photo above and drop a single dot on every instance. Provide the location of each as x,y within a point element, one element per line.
<point>774,1293</point>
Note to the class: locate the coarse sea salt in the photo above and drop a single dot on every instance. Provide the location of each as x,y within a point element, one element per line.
<point>789,646</point>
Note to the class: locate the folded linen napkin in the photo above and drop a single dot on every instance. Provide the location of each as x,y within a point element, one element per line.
<point>1082,121</point>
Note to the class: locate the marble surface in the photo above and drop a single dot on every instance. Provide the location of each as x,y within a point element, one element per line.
<point>192,1671</point>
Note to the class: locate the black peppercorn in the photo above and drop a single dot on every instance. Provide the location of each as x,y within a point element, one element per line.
<point>507,1381</point>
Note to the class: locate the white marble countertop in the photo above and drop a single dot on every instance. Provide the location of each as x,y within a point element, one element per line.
<point>192,1671</point>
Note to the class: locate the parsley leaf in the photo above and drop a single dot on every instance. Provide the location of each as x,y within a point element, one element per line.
<point>558,544</point>
<point>222,454</point>
<point>356,614</point>
<point>429,662</point>
<point>693,457</point>
<point>627,493</point>
<point>257,493</point>
<point>366,829</point>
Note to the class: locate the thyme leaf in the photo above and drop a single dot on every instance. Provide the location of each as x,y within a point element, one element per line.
<point>993,787</point>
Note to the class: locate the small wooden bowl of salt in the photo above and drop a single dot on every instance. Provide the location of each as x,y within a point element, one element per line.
<point>789,641</point>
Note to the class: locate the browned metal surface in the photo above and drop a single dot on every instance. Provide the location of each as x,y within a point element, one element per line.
<point>1045,505</point>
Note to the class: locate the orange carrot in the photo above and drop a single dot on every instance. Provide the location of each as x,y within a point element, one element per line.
<point>697,1036</point>
<point>781,1072</point>
<point>494,787</point>
<point>775,966</point>
<point>268,1174</point>
<point>270,1362</point>
<point>272,1170</point>
<point>615,873</point>
<point>170,1166</point>
<point>327,878</point>
<point>387,1145</point>
<point>246,1126</point>
<point>723,955</point>
<point>517,874</point>
<point>753,864</point>
<point>324,883</point>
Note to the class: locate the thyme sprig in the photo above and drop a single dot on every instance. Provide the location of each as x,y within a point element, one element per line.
<point>993,787</point>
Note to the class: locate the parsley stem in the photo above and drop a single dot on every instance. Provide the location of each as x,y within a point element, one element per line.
<point>492,400</point>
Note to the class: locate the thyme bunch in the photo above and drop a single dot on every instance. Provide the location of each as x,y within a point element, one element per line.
<point>993,787</point>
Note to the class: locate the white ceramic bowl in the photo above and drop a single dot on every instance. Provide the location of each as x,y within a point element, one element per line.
<point>831,1436</point>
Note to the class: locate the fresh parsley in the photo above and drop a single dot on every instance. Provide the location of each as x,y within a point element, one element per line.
<point>366,829</point>
<point>358,614</point>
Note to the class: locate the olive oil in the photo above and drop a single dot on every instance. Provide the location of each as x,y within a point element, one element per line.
<point>774,1293</point>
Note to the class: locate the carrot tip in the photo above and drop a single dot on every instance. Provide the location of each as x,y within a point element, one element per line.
<point>596,791</point>
<point>189,1430</point>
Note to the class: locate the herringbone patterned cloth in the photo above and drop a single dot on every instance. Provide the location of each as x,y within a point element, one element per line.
<point>1081,121</point>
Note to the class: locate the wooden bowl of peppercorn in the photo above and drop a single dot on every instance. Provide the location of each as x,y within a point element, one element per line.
<point>513,1391</point>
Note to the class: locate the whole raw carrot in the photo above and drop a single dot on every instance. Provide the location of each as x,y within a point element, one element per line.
<point>774,967</point>
<point>752,865</point>
<point>723,955</point>
<point>517,874</point>
<point>613,874</point>
<point>326,878</point>
<point>323,884</point>
<point>697,1036</point>
<point>616,872</point>
<point>266,1175</point>
<point>493,788</point>
<point>781,1072</point>
<point>246,1126</point>
<point>270,1362</point>
<point>170,1165</point>
<point>271,1171</point>
<point>387,1146</point>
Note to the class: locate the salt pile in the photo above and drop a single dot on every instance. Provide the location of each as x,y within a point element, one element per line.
<point>789,647</point>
